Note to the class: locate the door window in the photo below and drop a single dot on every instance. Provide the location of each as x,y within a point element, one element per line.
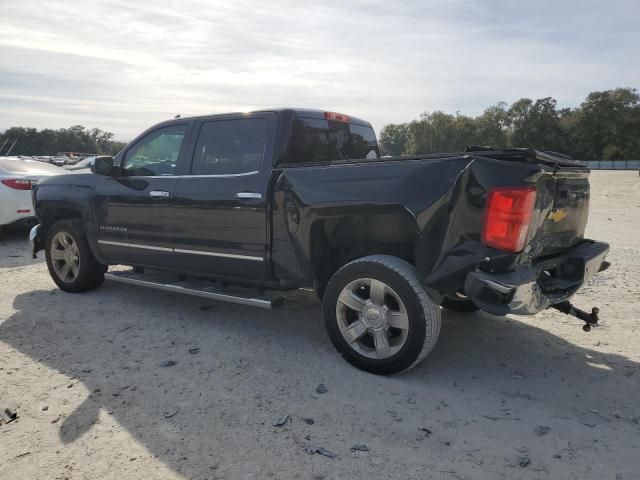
<point>156,154</point>
<point>230,147</point>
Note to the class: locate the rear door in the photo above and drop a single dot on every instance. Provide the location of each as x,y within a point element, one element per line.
<point>134,210</point>
<point>220,207</point>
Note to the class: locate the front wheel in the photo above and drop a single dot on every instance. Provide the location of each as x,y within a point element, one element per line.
<point>70,261</point>
<point>378,316</point>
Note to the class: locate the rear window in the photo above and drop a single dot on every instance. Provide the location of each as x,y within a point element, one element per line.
<point>316,140</point>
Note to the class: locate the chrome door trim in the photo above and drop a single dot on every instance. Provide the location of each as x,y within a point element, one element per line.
<point>135,245</point>
<point>181,250</point>
<point>228,175</point>
<point>218,254</point>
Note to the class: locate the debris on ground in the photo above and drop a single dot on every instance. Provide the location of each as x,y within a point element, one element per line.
<point>524,461</point>
<point>167,363</point>
<point>281,421</point>
<point>308,421</point>
<point>7,415</point>
<point>359,448</point>
<point>427,432</point>
<point>322,388</point>
<point>311,450</point>
<point>194,350</point>
<point>171,413</point>
<point>542,430</point>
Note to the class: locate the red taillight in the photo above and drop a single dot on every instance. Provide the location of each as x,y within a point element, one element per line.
<point>507,217</point>
<point>17,183</point>
<point>336,117</point>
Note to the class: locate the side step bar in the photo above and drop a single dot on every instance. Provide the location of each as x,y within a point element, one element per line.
<point>198,288</point>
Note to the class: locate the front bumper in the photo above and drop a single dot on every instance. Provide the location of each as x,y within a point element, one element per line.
<point>530,289</point>
<point>34,240</point>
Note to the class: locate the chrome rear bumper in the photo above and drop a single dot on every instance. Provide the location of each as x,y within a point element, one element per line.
<point>530,289</point>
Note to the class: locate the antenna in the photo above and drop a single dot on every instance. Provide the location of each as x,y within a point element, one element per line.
<point>11,147</point>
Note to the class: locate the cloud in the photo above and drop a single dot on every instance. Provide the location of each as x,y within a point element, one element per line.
<point>124,65</point>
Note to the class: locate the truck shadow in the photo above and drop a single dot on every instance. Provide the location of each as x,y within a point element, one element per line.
<point>251,364</point>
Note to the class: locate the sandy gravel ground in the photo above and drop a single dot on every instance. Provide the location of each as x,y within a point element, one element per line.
<point>499,398</point>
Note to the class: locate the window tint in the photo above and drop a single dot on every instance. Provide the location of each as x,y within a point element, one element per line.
<point>319,140</point>
<point>227,147</point>
<point>157,153</point>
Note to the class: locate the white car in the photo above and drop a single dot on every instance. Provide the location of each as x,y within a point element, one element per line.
<point>16,177</point>
<point>84,164</point>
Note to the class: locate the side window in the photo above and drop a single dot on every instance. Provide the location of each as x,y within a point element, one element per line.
<point>155,154</point>
<point>227,147</point>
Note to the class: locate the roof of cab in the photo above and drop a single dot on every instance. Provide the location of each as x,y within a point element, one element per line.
<point>298,112</point>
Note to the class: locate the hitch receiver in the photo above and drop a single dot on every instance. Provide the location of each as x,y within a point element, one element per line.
<point>589,319</point>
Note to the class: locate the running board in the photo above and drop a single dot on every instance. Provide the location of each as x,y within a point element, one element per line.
<point>199,288</point>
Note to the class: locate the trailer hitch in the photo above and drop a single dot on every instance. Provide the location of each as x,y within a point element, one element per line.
<point>589,319</point>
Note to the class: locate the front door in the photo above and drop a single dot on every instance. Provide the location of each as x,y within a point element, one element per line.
<point>220,208</point>
<point>134,209</point>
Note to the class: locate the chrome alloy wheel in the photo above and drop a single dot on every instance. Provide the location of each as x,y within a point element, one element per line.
<point>65,257</point>
<point>372,318</point>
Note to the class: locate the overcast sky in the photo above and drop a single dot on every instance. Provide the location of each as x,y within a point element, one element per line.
<point>124,65</point>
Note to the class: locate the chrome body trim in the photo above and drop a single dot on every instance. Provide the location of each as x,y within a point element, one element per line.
<point>218,254</point>
<point>181,250</point>
<point>135,245</point>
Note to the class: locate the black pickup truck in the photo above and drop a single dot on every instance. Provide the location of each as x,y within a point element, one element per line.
<point>222,205</point>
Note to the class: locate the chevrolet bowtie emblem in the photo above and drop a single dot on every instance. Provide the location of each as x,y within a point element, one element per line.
<point>557,215</point>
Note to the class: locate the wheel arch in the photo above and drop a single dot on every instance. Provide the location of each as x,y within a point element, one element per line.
<point>50,214</point>
<point>337,240</point>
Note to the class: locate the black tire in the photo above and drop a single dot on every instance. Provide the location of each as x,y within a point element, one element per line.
<point>423,314</point>
<point>458,304</point>
<point>90,272</point>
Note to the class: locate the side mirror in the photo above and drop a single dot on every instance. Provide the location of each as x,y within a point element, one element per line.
<point>103,165</point>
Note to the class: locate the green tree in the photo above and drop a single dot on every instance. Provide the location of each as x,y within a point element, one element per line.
<point>393,138</point>
<point>441,132</point>
<point>76,138</point>
<point>536,124</point>
<point>494,126</point>
<point>608,124</point>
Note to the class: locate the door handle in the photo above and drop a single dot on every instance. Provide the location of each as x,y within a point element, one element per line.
<point>159,193</point>
<point>248,195</point>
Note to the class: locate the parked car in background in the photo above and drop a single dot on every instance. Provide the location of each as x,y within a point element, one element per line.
<point>84,164</point>
<point>17,175</point>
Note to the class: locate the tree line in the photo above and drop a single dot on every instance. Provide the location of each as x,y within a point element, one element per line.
<point>606,126</point>
<point>30,141</point>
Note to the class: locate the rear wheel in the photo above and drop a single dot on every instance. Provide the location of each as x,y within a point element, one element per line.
<point>70,261</point>
<point>378,316</point>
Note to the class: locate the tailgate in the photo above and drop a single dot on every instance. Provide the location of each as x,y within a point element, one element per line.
<point>563,211</point>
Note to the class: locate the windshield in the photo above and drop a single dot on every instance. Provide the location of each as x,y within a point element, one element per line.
<point>316,140</point>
